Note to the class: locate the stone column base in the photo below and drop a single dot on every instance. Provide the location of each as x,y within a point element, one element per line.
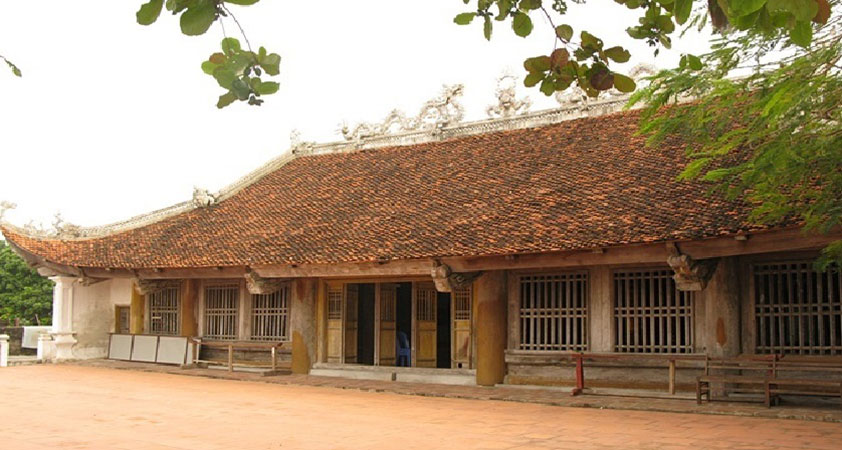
<point>46,350</point>
<point>64,342</point>
<point>4,350</point>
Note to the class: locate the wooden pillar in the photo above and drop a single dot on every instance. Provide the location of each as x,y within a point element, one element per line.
<point>491,327</point>
<point>303,324</point>
<point>601,306</point>
<point>722,310</point>
<point>321,321</point>
<point>189,324</point>
<point>136,311</point>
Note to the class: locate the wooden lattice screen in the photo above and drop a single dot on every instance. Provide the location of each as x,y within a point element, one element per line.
<point>270,316</point>
<point>797,310</point>
<point>462,304</point>
<point>164,312</point>
<point>221,305</point>
<point>554,312</point>
<point>426,306</point>
<point>387,304</point>
<point>334,303</point>
<point>650,314</point>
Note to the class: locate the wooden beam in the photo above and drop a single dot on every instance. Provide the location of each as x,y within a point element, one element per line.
<point>782,240</point>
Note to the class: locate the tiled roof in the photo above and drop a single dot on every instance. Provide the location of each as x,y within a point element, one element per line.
<point>578,184</point>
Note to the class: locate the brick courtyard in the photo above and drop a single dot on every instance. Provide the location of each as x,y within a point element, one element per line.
<point>71,406</point>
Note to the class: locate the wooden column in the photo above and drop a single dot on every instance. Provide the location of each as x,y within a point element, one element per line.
<point>722,310</point>
<point>189,324</point>
<point>321,321</point>
<point>601,314</point>
<point>303,324</point>
<point>491,327</point>
<point>513,284</point>
<point>136,309</point>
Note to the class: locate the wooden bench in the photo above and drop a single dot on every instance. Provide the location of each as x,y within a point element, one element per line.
<point>274,348</point>
<point>801,383</point>
<point>760,370</point>
<point>767,376</point>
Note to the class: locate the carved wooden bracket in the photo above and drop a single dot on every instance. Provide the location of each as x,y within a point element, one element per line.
<point>447,281</point>
<point>258,285</point>
<point>690,275</point>
<point>147,287</point>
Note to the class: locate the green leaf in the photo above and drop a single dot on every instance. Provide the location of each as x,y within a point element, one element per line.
<point>547,87</point>
<point>486,28</point>
<point>242,2</point>
<point>623,83</point>
<point>618,54</point>
<point>225,77</point>
<point>241,89</point>
<point>271,63</point>
<point>464,18</point>
<point>681,10</point>
<point>803,10</point>
<point>741,8</point>
<point>537,64</point>
<point>590,41</point>
<point>528,5</point>
<point>230,46</point>
<point>717,174</point>
<point>209,67</point>
<point>802,34</point>
<point>693,61</point>
<point>15,69</point>
<point>533,78</point>
<point>564,32</point>
<point>504,6</point>
<point>198,18</point>
<point>522,24</point>
<point>149,12</point>
<point>267,87</point>
<point>226,99</point>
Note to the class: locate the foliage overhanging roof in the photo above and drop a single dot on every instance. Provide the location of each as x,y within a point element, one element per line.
<point>578,184</point>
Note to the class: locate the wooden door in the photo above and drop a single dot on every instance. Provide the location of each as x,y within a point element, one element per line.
<point>425,324</point>
<point>352,296</point>
<point>388,312</point>
<point>122,318</point>
<point>334,322</point>
<point>461,301</point>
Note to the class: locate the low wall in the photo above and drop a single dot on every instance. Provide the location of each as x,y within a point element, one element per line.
<point>15,338</point>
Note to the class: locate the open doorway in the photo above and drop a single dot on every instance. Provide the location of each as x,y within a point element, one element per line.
<point>403,322</point>
<point>365,324</point>
<point>443,360</point>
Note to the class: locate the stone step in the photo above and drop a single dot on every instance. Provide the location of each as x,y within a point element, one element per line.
<point>460,377</point>
<point>23,361</point>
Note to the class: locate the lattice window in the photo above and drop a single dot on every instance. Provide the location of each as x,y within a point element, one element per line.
<point>462,304</point>
<point>387,303</point>
<point>425,307</point>
<point>797,310</point>
<point>554,312</point>
<point>650,314</point>
<point>270,316</point>
<point>334,303</point>
<point>165,312</point>
<point>221,305</point>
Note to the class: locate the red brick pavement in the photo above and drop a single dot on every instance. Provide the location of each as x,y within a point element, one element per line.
<point>82,406</point>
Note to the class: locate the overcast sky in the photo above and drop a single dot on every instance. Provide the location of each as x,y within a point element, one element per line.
<point>113,119</point>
